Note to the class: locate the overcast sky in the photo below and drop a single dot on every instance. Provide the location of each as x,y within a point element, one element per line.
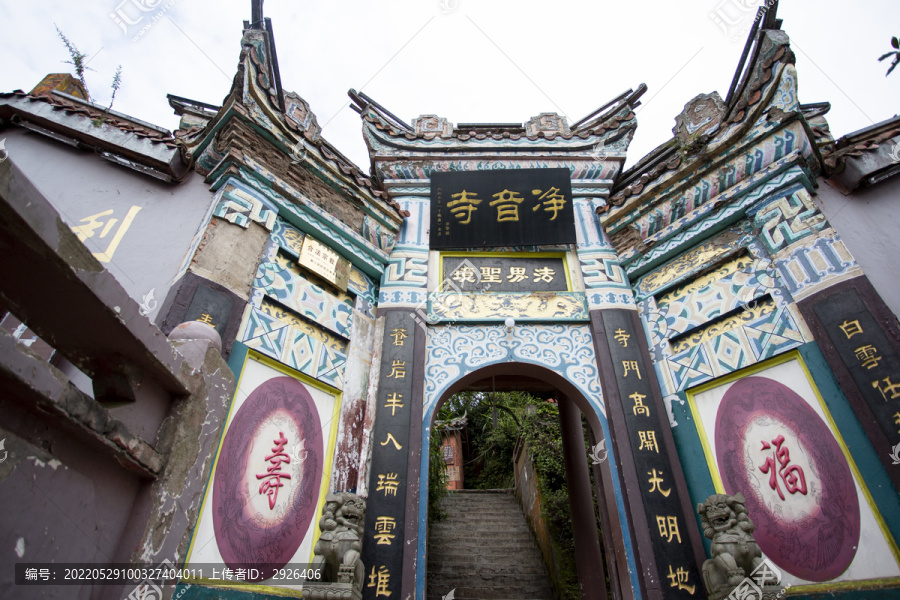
<point>487,61</point>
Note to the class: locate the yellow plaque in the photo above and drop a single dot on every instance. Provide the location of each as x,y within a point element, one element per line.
<point>325,262</point>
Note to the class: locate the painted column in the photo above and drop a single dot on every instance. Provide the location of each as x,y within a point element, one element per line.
<point>393,455</point>
<point>668,542</point>
<point>588,559</point>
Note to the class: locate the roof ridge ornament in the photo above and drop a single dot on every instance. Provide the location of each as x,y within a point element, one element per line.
<point>433,125</point>
<point>700,118</point>
<point>550,124</point>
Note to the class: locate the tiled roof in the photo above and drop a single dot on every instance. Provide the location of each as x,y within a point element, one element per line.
<point>864,140</point>
<point>71,105</point>
<point>744,95</point>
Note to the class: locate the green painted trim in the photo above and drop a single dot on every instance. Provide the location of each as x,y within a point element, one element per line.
<point>868,464</point>
<point>802,178</point>
<point>237,358</point>
<point>211,134</point>
<point>757,136</point>
<point>693,459</point>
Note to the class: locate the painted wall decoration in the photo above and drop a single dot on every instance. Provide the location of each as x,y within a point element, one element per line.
<point>271,473</point>
<point>263,499</point>
<point>768,434</point>
<point>239,205</point>
<point>814,536</point>
<point>722,320</point>
<point>454,351</point>
<point>290,240</point>
<point>525,306</point>
<point>282,281</point>
<point>774,179</point>
<point>515,207</point>
<point>298,344</point>
<point>814,263</point>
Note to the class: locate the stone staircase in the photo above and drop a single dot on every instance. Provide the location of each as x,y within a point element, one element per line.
<point>485,550</point>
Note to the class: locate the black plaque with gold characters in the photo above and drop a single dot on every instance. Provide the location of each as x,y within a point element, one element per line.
<point>513,207</point>
<point>382,552</point>
<point>868,355</point>
<point>678,573</point>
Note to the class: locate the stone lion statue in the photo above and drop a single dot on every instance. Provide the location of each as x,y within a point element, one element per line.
<point>338,548</point>
<point>735,554</point>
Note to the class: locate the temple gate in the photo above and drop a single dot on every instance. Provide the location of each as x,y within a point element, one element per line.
<point>699,310</point>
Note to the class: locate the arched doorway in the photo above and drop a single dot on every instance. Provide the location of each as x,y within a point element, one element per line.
<point>574,401</point>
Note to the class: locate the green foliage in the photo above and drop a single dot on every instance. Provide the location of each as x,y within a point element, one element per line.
<point>496,421</point>
<point>437,477</point>
<point>116,84</point>
<point>543,435</point>
<point>895,53</point>
<point>490,447</point>
<point>78,59</point>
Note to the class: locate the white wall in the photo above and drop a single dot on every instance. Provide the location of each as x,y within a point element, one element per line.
<point>869,223</point>
<point>80,184</point>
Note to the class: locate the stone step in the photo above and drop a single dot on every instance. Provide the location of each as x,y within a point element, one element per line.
<point>504,519</point>
<point>466,509</point>
<point>490,593</point>
<point>511,567</point>
<point>484,550</point>
<point>446,548</point>
<point>452,549</point>
<point>490,590</point>
<point>463,555</point>
<point>478,499</point>
<point>503,516</point>
<point>492,530</point>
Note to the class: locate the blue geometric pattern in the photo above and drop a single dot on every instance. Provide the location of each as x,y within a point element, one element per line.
<point>454,351</point>
<point>319,356</point>
<point>306,299</point>
<point>757,340</point>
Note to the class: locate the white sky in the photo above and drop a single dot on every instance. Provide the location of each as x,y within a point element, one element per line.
<point>468,61</point>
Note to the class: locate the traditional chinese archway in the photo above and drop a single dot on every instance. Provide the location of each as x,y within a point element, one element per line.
<point>502,267</point>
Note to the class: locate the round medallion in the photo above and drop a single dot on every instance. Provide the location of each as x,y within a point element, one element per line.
<point>267,477</point>
<point>776,450</point>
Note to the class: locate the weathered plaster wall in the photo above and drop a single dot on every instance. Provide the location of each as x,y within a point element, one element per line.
<point>228,255</point>
<point>353,405</point>
<point>868,221</point>
<point>530,500</point>
<point>81,185</point>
